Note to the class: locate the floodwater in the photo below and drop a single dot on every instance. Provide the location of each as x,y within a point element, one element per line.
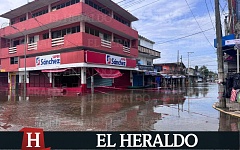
<point>130,110</point>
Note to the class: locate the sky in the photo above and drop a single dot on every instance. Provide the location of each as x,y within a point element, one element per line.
<point>165,22</point>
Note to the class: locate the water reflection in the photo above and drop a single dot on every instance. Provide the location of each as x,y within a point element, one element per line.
<point>129,110</point>
<point>228,123</point>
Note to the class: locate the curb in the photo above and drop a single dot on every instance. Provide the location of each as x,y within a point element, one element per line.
<point>234,114</point>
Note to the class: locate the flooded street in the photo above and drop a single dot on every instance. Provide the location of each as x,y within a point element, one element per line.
<point>129,110</point>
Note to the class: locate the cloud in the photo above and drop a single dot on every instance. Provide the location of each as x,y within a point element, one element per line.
<point>164,21</point>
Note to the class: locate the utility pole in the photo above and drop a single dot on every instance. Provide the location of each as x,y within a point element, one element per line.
<point>222,100</point>
<point>188,68</point>
<point>177,84</point>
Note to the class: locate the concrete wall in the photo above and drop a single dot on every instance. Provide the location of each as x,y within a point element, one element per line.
<point>146,43</point>
<point>144,59</point>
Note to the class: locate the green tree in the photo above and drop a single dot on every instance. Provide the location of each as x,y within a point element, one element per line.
<point>204,72</point>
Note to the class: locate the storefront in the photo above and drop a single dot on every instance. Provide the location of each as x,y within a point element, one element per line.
<point>3,80</point>
<point>73,71</point>
<point>109,70</point>
<point>145,76</point>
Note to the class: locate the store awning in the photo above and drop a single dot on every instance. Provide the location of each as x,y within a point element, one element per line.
<point>55,70</point>
<point>108,73</point>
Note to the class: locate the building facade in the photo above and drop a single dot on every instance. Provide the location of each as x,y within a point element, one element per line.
<point>145,74</point>
<point>63,43</point>
<point>232,32</point>
<point>173,74</point>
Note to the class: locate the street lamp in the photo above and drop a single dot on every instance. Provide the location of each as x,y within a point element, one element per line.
<point>25,57</point>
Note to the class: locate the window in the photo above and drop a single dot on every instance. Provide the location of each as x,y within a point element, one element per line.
<point>96,33</point>
<point>121,20</point>
<point>71,2</point>
<point>97,7</point>
<point>13,60</point>
<point>12,21</point>
<point>46,36</point>
<point>22,41</point>
<point>74,30</point>
<point>22,19</point>
<point>31,39</point>
<point>87,29</point>
<point>68,30</point>
<point>42,12</point>
<point>126,43</point>
<point>15,43</point>
<point>107,37</point>
<point>68,3</point>
<point>149,63</point>
<point>63,5</point>
<point>63,32</point>
<point>159,68</point>
<point>91,31</point>
<point>138,61</point>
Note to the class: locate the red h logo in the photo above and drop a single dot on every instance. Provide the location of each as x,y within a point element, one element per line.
<point>33,138</point>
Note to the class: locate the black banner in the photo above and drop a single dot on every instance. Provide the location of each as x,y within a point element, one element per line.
<point>127,140</point>
<point>148,68</point>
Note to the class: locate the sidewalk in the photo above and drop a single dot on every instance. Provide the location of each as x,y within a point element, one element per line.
<point>233,108</point>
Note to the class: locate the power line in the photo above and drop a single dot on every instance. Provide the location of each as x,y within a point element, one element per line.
<point>199,24</point>
<point>184,36</point>
<point>209,13</point>
<point>212,6</point>
<point>146,5</point>
<point>134,2</point>
<point>223,8</point>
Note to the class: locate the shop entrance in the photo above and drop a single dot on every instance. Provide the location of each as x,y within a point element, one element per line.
<point>3,79</point>
<point>14,80</point>
<point>70,78</point>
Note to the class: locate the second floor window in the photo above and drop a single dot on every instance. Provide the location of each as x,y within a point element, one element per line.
<point>149,63</point>
<point>13,60</point>
<point>46,36</point>
<point>31,39</point>
<point>125,43</point>
<point>15,43</point>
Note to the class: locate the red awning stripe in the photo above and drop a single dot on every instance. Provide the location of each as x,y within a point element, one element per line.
<point>55,70</point>
<point>108,73</point>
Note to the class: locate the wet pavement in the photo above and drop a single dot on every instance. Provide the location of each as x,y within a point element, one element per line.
<point>130,110</point>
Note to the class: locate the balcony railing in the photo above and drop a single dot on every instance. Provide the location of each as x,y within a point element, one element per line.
<point>57,41</point>
<point>172,72</point>
<point>106,44</point>
<point>149,51</point>
<point>12,50</point>
<point>69,41</point>
<point>32,46</point>
<point>126,49</point>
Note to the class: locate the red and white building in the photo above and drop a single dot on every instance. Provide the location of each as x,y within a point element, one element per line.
<point>66,42</point>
